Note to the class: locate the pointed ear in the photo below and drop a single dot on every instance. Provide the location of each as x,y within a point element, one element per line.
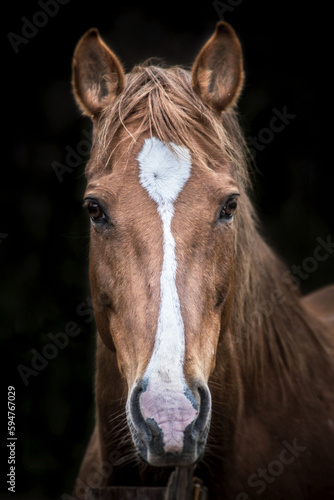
<point>217,74</point>
<point>98,76</point>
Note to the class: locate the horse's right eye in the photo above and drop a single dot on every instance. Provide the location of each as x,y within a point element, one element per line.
<point>95,211</point>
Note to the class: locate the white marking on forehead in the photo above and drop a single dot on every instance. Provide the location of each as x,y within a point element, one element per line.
<point>164,170</point>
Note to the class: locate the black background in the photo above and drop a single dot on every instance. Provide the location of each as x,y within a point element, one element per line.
<point>44,231</point>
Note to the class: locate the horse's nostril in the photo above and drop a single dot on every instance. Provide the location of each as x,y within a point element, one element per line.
<point>136,414</point>
<point>135,395</point>
<point>204,409</point>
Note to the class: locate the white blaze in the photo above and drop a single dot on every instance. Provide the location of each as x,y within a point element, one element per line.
<point>163,173</point>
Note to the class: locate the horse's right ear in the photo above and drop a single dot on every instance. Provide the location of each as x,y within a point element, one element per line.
<point>98,76</point>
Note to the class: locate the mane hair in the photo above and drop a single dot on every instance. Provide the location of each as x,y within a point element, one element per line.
<point>270,335</point>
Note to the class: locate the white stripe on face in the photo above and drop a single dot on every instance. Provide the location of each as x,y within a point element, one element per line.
<point>163,173</point>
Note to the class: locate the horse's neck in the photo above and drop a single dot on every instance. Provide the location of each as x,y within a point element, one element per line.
<point>271,361</point>
<point>274,335</point>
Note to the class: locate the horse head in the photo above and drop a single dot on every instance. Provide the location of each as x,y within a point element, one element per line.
<point>162,197</point>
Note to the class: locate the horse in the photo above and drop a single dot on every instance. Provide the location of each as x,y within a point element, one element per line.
<point>208,355</point>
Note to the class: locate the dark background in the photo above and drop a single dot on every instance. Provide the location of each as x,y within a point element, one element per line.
<point>44,231</point>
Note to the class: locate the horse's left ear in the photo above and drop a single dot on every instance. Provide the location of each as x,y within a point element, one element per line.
<point>98,76</point>
<point>217,74</point>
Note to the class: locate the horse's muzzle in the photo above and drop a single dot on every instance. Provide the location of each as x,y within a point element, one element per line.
<point>169,424</point>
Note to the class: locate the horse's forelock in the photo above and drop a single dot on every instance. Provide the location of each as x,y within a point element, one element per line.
<point>163,103</point>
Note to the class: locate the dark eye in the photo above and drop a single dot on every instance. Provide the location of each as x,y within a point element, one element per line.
<point>95,211</point>
<point>228,209</point>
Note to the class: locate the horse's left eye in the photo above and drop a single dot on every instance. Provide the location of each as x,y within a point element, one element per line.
<point>228,209</point>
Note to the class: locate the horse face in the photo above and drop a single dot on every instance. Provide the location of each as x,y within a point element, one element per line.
<point>161,273</point>
<point>161,255</point>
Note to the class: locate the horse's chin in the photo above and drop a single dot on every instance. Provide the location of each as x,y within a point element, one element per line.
<point>153,453</point>
<point>171,460</point>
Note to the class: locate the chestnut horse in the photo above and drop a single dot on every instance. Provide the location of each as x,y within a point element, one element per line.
<point>206,352</point>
